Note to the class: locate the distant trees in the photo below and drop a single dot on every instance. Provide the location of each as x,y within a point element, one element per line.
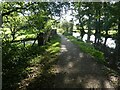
<point>67,27</point>
<point>99,18</point>
<point>95,16</point>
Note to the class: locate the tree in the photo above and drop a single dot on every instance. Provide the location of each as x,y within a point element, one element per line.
<point>65,26</point>
<point>14,23</point>
<point>80,17</point>
<point>17,16</point>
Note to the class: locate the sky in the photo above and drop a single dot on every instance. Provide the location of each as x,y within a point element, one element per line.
<point>67,16</point>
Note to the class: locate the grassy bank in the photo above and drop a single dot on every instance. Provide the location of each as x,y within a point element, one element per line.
<point>23,67</point>
<point>88,48</point>
<point>98,55</point>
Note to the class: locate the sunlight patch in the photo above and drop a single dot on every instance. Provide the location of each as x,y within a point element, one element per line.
<point>55,44</point>
<point>68,40</point>
<point>56,69</point>
<point>107,84</point>
<point>92,83</point>
<point>81,55</point>
<point>63,48</point>
<point>70,64</point>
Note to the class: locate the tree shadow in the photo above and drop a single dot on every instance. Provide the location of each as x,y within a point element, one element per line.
<point>74,69</point>
<point>15,60</point>
<point>79,70</point>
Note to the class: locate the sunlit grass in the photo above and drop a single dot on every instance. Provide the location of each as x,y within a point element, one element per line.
<point>111,32</point>
<point>75,30</point>
<point>26,36</point>
<point>20,34</point>
<point>28,62</point>
<point>88,48</point>
<point>36,60</point>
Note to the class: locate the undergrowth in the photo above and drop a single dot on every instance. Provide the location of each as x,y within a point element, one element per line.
<point>22,65</point>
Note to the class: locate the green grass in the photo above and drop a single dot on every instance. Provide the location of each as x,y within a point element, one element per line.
<point>111,32</point>
<point>88,48</point>
<point>20,34</point>
<point>25,36</point>
<point>25,64</point>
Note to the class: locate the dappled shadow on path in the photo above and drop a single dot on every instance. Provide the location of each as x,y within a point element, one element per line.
<point>76,69</point>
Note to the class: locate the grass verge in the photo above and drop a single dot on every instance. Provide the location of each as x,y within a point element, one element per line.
<point>88,48</point>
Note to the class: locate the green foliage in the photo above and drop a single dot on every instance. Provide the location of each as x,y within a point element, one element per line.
<point>67,27</point>
<point>26,17</point>
<point>49,24</point>
<point>18,61</point>
<point>60,31</point>
<point>12,26</point>
<point>88,48</point>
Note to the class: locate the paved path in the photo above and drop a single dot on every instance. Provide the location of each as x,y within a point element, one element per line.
<point>78,70</point>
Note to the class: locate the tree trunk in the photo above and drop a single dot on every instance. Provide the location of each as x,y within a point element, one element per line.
<point>106,37</point>
<point>13,36</point>
<point>116,53</point>
<point>53,32</point>
<point>89,29</point>
<point>105,41</point>
<point>82,32</point>
<point>40,38</point>
<point>34,43</point>
<point>1,20</point>
<point>99,27</point>
<point>117,49</point>
<point>97,31</point>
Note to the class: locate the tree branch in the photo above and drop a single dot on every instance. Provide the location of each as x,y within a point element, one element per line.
<point>9,12</point>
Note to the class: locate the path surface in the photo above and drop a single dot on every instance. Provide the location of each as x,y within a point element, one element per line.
<point>78,70</point>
